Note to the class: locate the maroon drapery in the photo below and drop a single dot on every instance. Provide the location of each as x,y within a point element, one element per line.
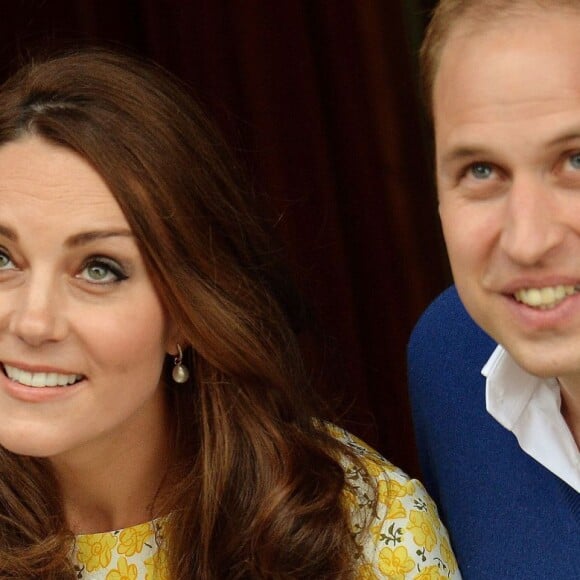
<point>319,99</point>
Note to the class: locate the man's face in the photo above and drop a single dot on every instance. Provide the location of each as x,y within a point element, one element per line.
<point>507,123</point>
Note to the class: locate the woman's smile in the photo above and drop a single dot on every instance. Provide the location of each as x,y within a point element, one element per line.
<point>41,379</point>
<point>74,288</point>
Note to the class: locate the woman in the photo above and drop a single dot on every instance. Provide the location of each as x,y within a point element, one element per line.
<point>152,382</point>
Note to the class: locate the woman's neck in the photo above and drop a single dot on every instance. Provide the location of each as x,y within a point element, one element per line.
<point>113,483</point>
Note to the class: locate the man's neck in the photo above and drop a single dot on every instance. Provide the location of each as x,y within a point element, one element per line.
<point>570,391</point>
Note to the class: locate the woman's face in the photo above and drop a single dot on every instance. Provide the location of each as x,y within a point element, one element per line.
<point>77,308</point>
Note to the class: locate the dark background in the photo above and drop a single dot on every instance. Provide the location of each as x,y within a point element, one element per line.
<point>319,100</point>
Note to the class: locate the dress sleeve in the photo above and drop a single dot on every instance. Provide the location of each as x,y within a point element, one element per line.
<point>406,539</point>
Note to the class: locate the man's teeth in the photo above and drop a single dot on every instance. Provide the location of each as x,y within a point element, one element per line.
<point>545,298</point>
<point>40,379</point>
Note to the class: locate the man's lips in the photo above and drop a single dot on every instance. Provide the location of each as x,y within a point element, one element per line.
<point>545,297</point>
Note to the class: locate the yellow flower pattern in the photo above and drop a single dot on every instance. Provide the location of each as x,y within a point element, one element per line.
<point>395,563</point>
<point>123,571</point>
<point>366,572</point>
<point>396,510</point>
<point>406,540</point>
<point>448,555</point>
<point>95,551</point>
<point>420,525</point>
<point>157,566</point>
<point>135,553</point>
<point>131,540</point>
<point>431,573</point>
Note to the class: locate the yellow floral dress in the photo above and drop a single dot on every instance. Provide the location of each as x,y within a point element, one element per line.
<point>406,541</point>
<point>135,553</point>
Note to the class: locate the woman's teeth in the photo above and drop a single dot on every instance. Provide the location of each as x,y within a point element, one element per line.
<point>40,379</point>
<point>544,298</point>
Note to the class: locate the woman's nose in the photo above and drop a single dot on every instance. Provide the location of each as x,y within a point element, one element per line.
<point>37,316</point>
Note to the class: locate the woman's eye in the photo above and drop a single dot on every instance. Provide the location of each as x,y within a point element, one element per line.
<point>480,170</point>
<point>102,271</point>
<point>5,261</point>
<point>575,160</point>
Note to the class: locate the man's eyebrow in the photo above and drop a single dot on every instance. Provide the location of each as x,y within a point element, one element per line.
<point>463,152</point>
<point>460,153</point>
<point>93,236</point>
<point>573,135</point>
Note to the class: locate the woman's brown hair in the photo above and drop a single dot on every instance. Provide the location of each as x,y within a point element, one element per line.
<point>256,488</point>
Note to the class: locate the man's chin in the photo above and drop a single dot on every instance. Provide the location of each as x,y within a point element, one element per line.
<point>546,362</point>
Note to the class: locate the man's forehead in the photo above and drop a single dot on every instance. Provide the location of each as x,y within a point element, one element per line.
<point>481,16</point>
<point>514,91</point>
<point>515,64</point>
<point>508,34</point>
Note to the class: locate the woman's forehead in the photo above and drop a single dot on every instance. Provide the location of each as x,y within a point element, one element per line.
<point>38,173</point>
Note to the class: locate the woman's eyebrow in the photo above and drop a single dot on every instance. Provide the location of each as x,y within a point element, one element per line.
<point>88,237</point>
<point>8,233</point>
<point>76,239</point>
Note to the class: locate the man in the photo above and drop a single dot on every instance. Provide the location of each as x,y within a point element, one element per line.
<point>500,452</point>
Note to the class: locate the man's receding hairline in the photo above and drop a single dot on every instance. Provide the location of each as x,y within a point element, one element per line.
<point>477,14</point>
<point>473,18</point>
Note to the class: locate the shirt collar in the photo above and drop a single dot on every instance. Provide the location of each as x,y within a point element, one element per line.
<point>529,407</point>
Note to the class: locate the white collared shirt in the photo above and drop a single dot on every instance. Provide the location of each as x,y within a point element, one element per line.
<point>529,407</point>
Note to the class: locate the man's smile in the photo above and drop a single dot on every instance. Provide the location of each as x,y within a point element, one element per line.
<point>546,297</point>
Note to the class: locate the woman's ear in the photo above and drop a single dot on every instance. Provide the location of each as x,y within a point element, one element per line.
<point>174,338</point>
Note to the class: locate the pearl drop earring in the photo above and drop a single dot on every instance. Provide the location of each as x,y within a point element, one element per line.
<point>180,372</point>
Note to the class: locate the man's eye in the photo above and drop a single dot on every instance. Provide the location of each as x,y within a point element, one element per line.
<point>102,271</point>
<point>480,170</point>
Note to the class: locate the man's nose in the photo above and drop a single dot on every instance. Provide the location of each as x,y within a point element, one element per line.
<point>37,316</point>
<point>533,223</point>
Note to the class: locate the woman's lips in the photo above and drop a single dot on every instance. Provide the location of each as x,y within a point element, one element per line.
<point>41,379</point>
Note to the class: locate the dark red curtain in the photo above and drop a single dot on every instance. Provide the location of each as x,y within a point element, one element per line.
<point>319,100</point>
